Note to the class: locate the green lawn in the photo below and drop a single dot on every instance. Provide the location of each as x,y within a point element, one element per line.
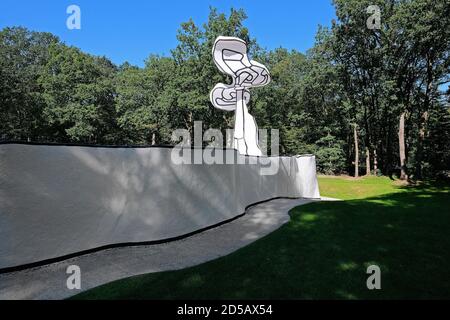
<point>323,252</point>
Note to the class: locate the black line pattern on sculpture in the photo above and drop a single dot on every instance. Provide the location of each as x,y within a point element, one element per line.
<point>232,60</point>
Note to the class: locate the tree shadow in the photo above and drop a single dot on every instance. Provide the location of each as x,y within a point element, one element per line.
<point>323,253</point>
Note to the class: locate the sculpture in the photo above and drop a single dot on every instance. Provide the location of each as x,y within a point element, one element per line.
<point>230,56</point>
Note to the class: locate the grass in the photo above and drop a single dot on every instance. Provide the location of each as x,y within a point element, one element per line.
<point>323,252</point>
<point>348,188</point>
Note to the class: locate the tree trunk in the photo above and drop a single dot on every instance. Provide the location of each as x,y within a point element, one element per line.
<point>419,153</point>
<point>190,127</point>
<point>424,118</point>
<point>375,162</point>
<point>355,137</point>
<point>402,147</point>
<point>367,161</point>
<point>387,161</point>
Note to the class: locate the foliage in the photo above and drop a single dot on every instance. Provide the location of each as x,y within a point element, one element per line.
<point>353,76</point>
<point>324,250</point>
<point>330,157</point>
<point>23,54</point>
<point>79,95</point>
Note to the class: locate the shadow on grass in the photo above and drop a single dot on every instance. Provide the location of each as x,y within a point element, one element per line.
<point>323,253</point>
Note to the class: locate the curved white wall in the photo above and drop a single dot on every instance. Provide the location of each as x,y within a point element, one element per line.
<point>59,200</point>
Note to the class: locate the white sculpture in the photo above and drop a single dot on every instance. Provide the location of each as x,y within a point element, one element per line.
<point>230,56</point>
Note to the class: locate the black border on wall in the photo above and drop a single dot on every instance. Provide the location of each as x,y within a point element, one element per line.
<point>70,144</point>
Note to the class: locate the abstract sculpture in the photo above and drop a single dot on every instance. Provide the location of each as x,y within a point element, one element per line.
<point>230,56</point>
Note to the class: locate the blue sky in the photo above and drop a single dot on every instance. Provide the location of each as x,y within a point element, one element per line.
<point>131,30</point>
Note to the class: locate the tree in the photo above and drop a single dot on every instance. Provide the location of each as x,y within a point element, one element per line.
<point>196,73</point>
<point>143,101</point>
<point>358,54</point>
<point>378,90</point>
<point>79,96</point>
<point>393,72</point>
<point>278,106</point>
<point>418,45</point>
<point>23,55</point>
<point>330,156</point>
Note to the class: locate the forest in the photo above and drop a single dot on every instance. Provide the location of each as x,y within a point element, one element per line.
<point>364,101</point>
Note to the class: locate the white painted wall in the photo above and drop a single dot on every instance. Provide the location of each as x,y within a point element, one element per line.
<point>58,200</point>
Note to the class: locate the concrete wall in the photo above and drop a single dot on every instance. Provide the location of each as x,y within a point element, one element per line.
<point>60,200</point>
